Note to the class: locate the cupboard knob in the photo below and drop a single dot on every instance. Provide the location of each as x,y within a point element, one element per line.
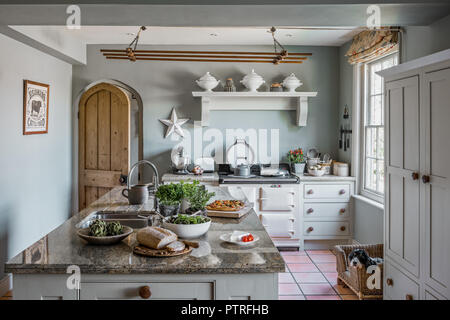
<point>409,297</point>
<point>342,191</point>
<point>343,228</point>
<point>342,210</point>
<point>310,210</point>
<point>425,179</point>
<point>310,229</point>
<point>415,175</point>
<point>310,191</point>
<point>145,292</point>
<point>389,282</point>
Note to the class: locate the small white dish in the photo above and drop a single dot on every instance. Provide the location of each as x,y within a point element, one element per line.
<point>228,237</point>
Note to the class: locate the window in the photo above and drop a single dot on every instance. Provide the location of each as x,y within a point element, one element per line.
<point>372,166</point>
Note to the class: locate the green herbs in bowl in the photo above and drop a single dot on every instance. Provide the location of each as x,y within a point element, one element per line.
<point>187,227</point>
<point>187,219</point>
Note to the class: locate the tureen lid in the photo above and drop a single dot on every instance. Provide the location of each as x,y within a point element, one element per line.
<point>252,75</point>
<point>207,76</point>
<point>291,78</point>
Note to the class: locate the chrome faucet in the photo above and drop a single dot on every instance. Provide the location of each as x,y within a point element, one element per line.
<point>155,178</point>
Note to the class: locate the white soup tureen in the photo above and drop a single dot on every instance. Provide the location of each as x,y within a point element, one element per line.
<point>207,82</point>
<point>291,83</point>
<point>252,81</point>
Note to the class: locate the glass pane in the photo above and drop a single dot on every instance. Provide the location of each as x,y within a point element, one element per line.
<point>380,146</point>
<point>371,142</point>
<point>376,112</point>
<point>388,63</point>
<point>371,174</point>
<point>380,176</point>
<point>376,82</point>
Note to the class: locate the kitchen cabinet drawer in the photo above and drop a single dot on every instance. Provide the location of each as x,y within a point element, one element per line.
<point>277,199</point>
<point>327,191</point>
<point>398,286</point>
<point>325,228</point>
<point>159,290</point>
<point>325,210</point>
<point>279,225</point>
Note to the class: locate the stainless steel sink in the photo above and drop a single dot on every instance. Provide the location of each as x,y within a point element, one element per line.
<point>134,220</point>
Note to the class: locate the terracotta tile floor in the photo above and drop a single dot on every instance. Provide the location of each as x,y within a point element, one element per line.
<point>311,275</point>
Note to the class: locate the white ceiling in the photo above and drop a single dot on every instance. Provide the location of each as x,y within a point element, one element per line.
<point>311,36</point>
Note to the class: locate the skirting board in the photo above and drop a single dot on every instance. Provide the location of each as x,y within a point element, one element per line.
<point>5,285</point>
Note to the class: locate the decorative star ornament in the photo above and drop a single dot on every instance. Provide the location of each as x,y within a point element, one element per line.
<point>174,124</point>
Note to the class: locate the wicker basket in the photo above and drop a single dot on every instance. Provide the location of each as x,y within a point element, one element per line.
<point>356,278</point>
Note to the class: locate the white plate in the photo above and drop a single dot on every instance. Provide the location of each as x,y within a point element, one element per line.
<point>227,238</point>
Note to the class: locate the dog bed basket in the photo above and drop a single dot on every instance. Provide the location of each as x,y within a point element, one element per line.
<point>356,278</point>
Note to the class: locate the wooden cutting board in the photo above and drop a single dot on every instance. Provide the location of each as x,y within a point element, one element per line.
<point>230,214</point>
<point>161,253</point>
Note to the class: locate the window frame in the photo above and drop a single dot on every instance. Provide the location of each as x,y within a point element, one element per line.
<point>365,104</point>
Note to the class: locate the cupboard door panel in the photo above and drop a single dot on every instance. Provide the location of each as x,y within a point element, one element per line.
<point>402,160</point>
<point>437,191</point>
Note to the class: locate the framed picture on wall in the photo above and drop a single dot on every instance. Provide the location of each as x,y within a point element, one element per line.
<point>35,107</point>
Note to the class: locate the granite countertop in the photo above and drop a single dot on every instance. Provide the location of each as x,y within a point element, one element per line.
<point>211,178</point>
<point>62,248</point>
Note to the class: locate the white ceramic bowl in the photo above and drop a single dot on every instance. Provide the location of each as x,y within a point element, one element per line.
<point>188,231</point>
<point>316,172</point>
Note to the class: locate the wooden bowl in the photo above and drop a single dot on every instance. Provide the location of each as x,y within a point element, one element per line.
<point>84,234</point>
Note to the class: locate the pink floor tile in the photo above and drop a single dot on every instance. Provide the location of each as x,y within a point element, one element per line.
<point>341,290</point>
<point>285,278</point>
<point>300,297</point>
<point>288,289</point>
<point>302,267</point>
<point>293,253</point>
<point>309,277</point>
<point>318,252</point>
<point>297,259</point>
<point>349,297</point>
<point>317,288</point>
<point>318,258</point>
<point>331,277</point>
<point>323,298</point>
<point>326,267</point>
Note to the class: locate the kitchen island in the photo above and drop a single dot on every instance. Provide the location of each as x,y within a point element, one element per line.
<point>214,270</point>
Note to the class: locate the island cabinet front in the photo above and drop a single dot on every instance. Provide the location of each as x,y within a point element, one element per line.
<point>250,286</point>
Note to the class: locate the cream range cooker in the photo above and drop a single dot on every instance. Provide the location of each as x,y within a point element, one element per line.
<point>276,200</point>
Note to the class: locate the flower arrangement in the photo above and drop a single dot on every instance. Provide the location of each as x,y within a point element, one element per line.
<point>296,156</point>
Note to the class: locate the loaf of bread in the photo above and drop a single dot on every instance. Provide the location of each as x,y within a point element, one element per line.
<point>155,237</point>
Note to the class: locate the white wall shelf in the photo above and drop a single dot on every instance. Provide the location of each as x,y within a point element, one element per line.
<point>255,101</point>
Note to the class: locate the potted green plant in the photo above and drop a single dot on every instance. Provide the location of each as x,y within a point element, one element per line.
<point>297,160</point>
<point>195,197</point>
<point>169,198</point>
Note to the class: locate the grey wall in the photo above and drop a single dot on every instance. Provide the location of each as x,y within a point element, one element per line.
<point>421,41</point>
<point>164,85</point>
<point>35,192</point>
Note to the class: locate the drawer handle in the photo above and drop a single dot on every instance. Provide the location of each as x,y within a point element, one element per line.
<point>409,297</point>
<point>342,210</point>
<point>144,292</point>
<point>389,282</point>
<point>343,228</point>
<point>342,191</point>
<point>310,191</point>
<point>310,229</point>
<point>310,210</point>
<point>292,219</point>
<point>415,176</point>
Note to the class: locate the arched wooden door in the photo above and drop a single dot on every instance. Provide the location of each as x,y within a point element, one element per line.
<point>104,141</point>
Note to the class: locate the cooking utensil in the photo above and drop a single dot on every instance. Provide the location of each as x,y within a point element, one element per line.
<point>240,152</point>
<point>242,170</point>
